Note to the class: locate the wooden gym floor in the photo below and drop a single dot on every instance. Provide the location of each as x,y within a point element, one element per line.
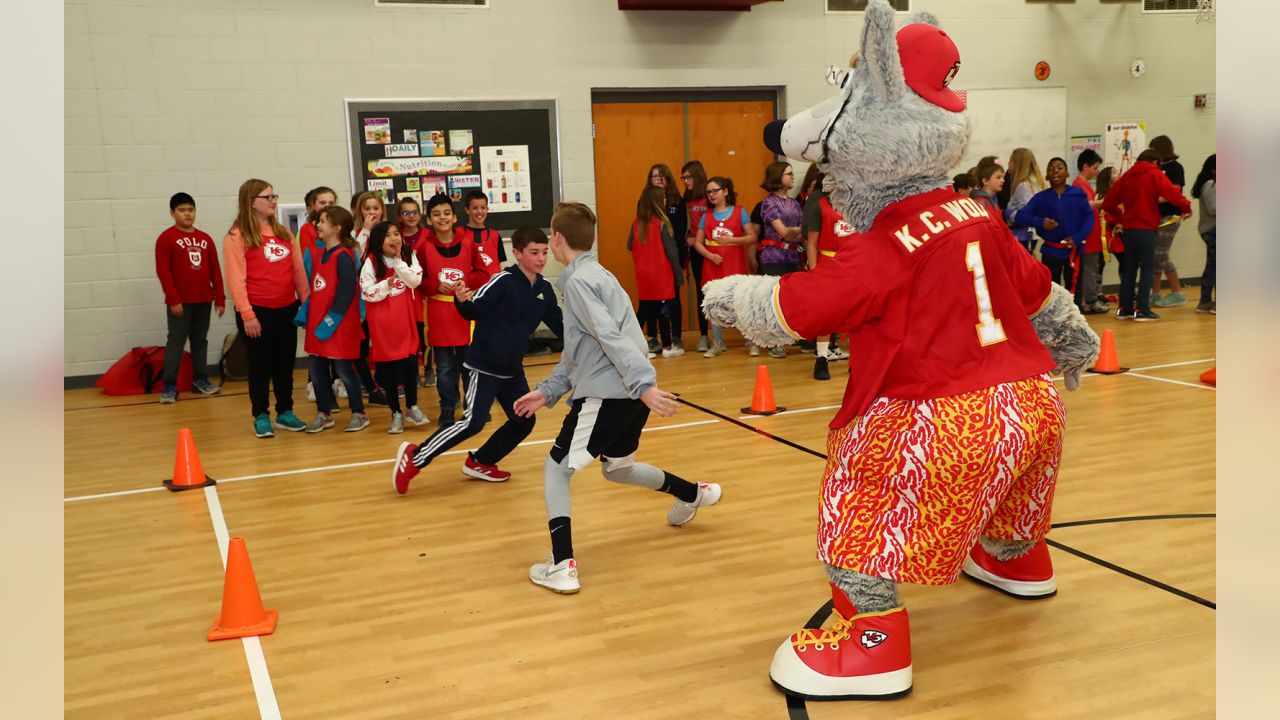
<point>419,606</point>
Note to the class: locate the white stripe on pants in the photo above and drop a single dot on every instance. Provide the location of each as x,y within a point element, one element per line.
<point>434,444</point>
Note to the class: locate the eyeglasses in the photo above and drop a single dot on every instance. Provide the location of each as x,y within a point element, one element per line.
<point>714,190</point>
<point>686,177</point>
<point>408,213</point>
<point>268,198</point>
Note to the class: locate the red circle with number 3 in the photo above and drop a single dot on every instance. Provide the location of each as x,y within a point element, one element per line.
<point>1042,70</point>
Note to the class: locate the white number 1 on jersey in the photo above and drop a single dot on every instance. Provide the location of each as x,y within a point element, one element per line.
<point>990,331</point>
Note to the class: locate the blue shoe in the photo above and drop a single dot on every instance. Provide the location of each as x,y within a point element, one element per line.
<point>169,395</point>
<point>288,421</point>
<point>262,426</point>
<point>204,387</point>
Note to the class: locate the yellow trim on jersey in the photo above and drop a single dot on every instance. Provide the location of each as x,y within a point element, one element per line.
<point>828,253</point>
<point>713,243</point>
<point>443,298</point>
<point>777,310</point>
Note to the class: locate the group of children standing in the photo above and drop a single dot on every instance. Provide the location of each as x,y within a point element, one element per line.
<point>1133,217</point>
<point>706,231</point>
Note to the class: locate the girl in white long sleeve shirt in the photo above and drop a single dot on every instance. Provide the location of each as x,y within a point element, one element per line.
<point>389,273</point>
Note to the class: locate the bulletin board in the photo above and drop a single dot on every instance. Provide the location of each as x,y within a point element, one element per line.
<point>508,149</point>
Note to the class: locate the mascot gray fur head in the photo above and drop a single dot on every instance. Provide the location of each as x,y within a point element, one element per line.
<point>895,129</point>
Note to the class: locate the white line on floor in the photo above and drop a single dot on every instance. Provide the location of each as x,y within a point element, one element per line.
<point>1200,386</point>
<point>790,412</point>
<point>268,708</point>
<point>365,463</point>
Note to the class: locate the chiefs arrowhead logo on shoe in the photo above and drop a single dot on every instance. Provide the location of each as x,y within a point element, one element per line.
<point>872,638</point>
<point>829,664</point>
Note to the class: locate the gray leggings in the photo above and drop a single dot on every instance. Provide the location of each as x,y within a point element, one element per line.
<point>626,471</point>
<point>1164,241</point>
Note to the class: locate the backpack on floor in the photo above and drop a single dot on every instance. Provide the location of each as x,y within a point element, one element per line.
<point>141,371</point>
<point>235,357</point>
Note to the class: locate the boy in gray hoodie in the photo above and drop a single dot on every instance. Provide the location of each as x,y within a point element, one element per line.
<point>605,364</point>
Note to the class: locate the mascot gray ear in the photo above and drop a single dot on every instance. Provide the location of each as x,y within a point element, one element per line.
<point>880,61</point>
<point>923,17</point>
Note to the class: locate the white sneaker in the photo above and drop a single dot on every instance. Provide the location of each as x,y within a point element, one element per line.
<point>311,392</point>
<point>714,350</point>
<point>416,417</point>
<point>682,512</point>
<point>835,353</point>
<point>673,351</point>
<point>339,389</point>
<point>559,577</point>
<point>752,350</point>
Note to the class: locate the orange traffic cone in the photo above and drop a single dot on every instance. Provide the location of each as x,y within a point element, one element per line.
<point>187,472</point>
<point>1108,363</point>
<point>242,613</point>
<point>762,400</point>
<point>1210,376</point>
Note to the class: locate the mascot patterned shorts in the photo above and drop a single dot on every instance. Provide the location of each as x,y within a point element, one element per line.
<point>911,484</point>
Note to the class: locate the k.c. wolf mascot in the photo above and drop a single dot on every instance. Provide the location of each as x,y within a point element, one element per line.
<point>945,451</point>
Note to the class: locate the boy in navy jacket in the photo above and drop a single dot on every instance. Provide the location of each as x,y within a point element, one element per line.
<point>506,310</point>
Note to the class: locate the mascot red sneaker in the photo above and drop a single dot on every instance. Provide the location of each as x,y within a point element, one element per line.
<point>947,444</point>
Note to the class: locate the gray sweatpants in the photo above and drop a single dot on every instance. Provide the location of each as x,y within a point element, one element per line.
<point>193,325</point>
<point>556,476</point>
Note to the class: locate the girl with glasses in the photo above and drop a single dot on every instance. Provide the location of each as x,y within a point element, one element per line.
<point>723,240</point>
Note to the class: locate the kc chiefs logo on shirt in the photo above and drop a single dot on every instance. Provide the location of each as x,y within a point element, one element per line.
<point>449,276</point>
<point>396,287</point>
<point>274,251</point>
<point>720,231</point>
<point>842,228</point>
<point>319,283</point>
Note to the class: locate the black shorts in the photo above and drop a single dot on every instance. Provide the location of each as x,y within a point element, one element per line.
<point>595,427</point>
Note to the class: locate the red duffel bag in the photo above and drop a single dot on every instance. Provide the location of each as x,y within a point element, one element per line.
<point>141,370</point>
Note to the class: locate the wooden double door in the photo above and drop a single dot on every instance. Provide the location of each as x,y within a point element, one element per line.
<point>632,136</point>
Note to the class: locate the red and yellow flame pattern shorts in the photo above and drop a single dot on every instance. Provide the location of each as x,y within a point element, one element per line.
<point>910,484</point>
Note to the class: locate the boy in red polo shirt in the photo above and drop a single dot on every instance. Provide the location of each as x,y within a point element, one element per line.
<point>187,265</point>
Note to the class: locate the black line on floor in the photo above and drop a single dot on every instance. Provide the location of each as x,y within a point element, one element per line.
<point>796,708</point>
<point>1135,518</point>
<point>1136,576</point>
<point>741,424</point>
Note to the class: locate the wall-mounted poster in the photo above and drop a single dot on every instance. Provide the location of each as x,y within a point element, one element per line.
<point>377,131</point>
<point>1080,143</point>
<point>1123,142</point>
<point>394,167</point>
<point>412,195</point>
<point>433,142</point>
<point>402,150</point>
<point>411,136</point>
<point>460,142</point>
<point>432,186</point>
<point>412,183</point>
<point>460,185</point>
<point>504,171</point>
<point>382,188</point>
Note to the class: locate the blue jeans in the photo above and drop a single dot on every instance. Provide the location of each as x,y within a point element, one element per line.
<point>1137,272</point>
<point>323,384</point>
<point>448,369</point>
<point>1208,278</point>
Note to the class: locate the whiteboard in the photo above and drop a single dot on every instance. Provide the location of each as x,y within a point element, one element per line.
<point>1004,119</point>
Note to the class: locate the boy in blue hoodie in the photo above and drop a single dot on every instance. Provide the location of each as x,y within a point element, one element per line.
<point>1063,217</point>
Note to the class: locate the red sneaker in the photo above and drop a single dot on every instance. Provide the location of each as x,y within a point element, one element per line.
<point>405,470</point>
<point>1029,577</point>
<point>480,471</point>
<point>862,657</point>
